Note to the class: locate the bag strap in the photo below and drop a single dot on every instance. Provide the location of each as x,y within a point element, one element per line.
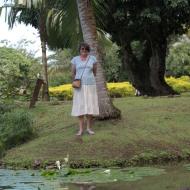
<point>85,67</point>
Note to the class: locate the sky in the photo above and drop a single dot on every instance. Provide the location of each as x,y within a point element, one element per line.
<point>18,33</point>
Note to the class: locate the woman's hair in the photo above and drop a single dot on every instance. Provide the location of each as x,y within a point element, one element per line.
<point>84,45</point>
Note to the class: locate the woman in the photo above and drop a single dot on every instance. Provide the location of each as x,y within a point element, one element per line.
<point>85,100</point>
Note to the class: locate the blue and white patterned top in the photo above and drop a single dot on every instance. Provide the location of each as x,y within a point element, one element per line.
<point>88,75</point>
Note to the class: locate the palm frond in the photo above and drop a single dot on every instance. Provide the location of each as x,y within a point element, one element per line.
<point>63,27</point>
<point>103,38</point>
<point>102,8</point>
<point>33,3</point>
<point>64,22</point>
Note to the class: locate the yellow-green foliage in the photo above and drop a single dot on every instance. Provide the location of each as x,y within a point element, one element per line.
<point>120,89</point>
<point>181,84</point>
<point>62,92</point>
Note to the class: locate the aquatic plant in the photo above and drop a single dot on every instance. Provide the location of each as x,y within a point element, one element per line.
<point>97,175</point>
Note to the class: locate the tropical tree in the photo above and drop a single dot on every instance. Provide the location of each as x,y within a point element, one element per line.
<point>150,23</point>
<point>36,16</point>
<point>62,19</point>
<point>39,13</point>
<point>17,71</point>
<point>88,25</point>
<point>107,110</point>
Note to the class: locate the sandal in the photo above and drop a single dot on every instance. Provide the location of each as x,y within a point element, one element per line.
<point>79,133</point>
<point>90,132</point>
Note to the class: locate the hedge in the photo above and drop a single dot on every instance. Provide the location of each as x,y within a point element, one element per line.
<point>120,89</point>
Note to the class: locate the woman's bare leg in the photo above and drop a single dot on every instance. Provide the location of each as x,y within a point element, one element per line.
<point>81,125</point>
<point>89,124</point>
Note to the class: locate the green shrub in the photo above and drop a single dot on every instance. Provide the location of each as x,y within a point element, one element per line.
<point>181,84</point>
<point>17,70</point>
<point>2,149</point>
<point>112,63</point>
<point>62,92</point>
<point>59,78</point>
<point>178,60</point>
<point>16,128</point>
<point>120,89</point>
<point>5,108</point>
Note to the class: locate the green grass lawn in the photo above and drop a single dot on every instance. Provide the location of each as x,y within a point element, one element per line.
<point>150,130</point>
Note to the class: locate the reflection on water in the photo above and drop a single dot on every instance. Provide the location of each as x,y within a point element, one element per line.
<point>175,178</point>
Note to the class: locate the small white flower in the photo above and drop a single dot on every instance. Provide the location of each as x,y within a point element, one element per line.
<point>66,159</point>
<point>58,164</point>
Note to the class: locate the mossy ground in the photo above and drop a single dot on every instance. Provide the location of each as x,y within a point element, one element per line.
<point>151,130</point>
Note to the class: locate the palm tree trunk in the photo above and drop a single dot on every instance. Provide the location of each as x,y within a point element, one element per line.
<point>88,25</point>
<point>42,29</point>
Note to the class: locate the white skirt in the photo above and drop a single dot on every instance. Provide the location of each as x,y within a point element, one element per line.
<point>85,101</point>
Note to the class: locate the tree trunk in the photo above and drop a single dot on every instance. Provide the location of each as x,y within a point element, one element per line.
<point>148,74</point>
<point>42,29</point>
<point>88,25</point>
<point>138,72</point>
<point>157,70</point>
<point>35,94</point>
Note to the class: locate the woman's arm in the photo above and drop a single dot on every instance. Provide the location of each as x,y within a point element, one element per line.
<point>95,68</point>
<point>73,71</point>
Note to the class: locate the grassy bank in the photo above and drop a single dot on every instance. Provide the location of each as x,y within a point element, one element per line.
<point>151,130</point>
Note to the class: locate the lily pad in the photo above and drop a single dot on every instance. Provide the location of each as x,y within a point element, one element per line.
<point>108,175</point>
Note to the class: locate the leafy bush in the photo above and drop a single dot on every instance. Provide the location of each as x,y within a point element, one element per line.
<point>181,84</point>
<point>120,89</point>
<point>62,92</point>
<point>112,63</point>
<point>59,67</point>
<point>2,149</point>
<point>178,60</point>
<point>16,70</point>
<point>5,107</point>
<point>65,92</point>
<point>59,78</point>
<point>16,128</point>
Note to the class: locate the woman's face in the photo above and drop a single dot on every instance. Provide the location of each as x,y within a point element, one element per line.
<point>83,51</point>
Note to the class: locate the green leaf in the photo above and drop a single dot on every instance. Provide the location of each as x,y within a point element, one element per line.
<point>108,175</point>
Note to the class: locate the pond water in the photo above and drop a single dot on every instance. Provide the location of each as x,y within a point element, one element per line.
<point>174,178</point>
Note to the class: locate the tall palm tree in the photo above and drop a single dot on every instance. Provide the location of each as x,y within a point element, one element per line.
<point>43,39</point>
<point>41,14</point>
<point>88,25</point>
<point>34,14</point>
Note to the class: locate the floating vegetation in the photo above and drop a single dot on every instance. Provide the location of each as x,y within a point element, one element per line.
<point>108,175</point>
<point>49,173</point>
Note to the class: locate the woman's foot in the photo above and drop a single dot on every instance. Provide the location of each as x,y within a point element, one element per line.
<point>79,133</point>
<point>90,132</point>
